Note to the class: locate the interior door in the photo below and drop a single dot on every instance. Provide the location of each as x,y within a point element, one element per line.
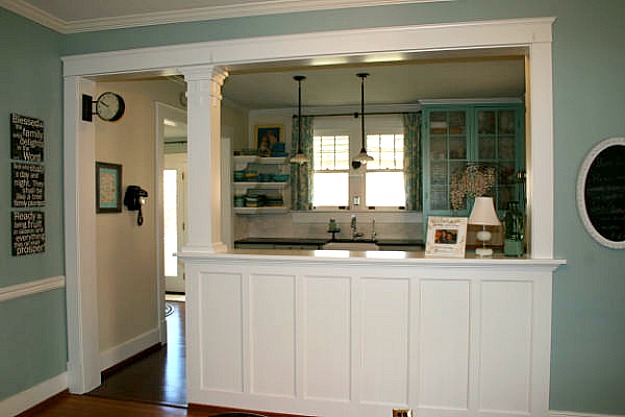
<point>174,219</point>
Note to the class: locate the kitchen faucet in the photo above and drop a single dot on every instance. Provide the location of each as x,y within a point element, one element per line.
<point>355,233</point>
<point>373,233</point>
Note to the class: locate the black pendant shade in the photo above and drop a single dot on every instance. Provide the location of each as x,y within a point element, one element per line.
<point>362,157</point>
<point>299,158</point>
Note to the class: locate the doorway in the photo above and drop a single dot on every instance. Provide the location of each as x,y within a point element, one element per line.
<point>174,220</point>
<point>171,135</point>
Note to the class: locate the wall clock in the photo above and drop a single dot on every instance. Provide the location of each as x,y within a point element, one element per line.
<point>110,106</point>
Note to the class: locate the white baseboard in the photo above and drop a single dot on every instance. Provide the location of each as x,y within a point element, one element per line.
<point>119,353</point>
<point>554,413</point>
<point>29,398</point>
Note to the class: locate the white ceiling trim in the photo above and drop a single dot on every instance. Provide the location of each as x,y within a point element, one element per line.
<point>252,8</point>
<point>35,14</point>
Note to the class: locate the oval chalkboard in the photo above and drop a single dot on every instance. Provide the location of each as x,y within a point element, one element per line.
<point>601,193</point>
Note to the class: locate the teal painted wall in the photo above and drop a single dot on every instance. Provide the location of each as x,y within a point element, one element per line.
<point>588,358</point>
<point>33,344</point>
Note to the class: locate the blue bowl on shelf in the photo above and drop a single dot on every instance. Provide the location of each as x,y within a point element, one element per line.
<point>280,177</point>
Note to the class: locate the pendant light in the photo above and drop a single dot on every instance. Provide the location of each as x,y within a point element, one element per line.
<point>299,158</point>
<point>362,157</point>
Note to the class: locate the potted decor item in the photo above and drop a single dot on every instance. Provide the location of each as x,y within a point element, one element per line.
<point>514,230</point>
<point>469,183</point>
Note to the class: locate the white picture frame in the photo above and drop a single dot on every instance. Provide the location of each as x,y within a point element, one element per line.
<point>446,237</point>
<point>601,201</point>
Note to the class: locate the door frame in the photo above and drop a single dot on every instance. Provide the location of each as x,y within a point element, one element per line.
<point>533,35</point>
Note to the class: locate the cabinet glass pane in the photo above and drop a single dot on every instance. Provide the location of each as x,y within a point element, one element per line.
<point>438,173</point>
<point>438,149</point>
<point>456,168</point>
<point>506,147</point>
<point>439,198</point>
<point>486,147</point>
<point>506,122</point>
<point>457,123</point>
<point>457,148</point>
<point>506,174</point>
<point>438,123</point>
<point>504,195</point>
<point>486,124</point>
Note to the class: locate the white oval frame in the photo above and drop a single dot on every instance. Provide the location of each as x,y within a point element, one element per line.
<point>581,183</point>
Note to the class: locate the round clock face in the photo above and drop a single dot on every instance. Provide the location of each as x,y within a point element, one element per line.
<point>110,106</point>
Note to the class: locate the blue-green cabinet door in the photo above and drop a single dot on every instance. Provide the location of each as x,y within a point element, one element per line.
<point>455,136</point>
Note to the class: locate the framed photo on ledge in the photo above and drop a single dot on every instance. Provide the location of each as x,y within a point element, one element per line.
<point>266,137</point>
<point>108,186</point>
<point>446,237</point>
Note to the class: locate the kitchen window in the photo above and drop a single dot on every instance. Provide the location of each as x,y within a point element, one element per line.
<point>337,184</point>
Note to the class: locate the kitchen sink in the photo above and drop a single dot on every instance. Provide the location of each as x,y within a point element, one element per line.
<point>350,244</point>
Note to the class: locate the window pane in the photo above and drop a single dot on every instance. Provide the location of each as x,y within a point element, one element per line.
<point>387,151</point>
<point>330,189</point>
<point>385,189</point>
<point>330,153</point>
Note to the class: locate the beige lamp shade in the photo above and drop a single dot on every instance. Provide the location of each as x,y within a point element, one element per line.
<point>483,212</point>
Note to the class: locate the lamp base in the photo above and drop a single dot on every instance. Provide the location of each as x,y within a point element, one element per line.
<point>483,252</point>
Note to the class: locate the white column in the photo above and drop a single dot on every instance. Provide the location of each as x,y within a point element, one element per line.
<point>204,158</point>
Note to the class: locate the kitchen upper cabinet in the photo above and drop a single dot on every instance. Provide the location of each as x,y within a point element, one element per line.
<point>455,136</point>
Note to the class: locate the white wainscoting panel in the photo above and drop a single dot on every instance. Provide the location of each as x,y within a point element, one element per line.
<point>444,344</point>
<point>505,346</point>
<point>343,337</point>
<point>221,314</point>
<point>385,316</point>
<point>327,332</point>
<point>272,318</point>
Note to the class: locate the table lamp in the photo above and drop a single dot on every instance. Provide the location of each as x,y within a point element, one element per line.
<point>484,214</point>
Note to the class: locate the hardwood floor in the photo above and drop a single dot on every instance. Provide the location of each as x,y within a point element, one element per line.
<point>160,376</point>
<point>69,405</point>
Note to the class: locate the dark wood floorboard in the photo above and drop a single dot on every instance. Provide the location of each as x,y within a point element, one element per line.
<point>159,377</point>
<point>68,405</point>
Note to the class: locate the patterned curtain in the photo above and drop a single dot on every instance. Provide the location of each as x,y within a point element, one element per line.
<point>412,160</point>
<point>301,175</point>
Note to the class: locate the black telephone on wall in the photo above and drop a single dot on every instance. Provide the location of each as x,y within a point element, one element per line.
<point>134,199</point>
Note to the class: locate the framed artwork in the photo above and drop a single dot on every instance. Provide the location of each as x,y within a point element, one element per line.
<point>601,193</point>
<point>446,237</point>
<point>108,185</point>
<point>266,138</point>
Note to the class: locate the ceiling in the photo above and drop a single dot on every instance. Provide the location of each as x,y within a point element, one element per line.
<point>399,79</point>
<point>71,16</point>
<point>406,82</point>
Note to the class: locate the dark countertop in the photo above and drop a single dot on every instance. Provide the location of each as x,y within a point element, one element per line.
<point>321,241</point>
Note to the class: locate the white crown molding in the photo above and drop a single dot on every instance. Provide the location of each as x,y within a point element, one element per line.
<point>35,14</point>
<point>32,287</point>
<point>191,15</point>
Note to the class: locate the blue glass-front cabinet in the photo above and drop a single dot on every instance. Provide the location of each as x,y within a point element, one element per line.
<point>455,136</point>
